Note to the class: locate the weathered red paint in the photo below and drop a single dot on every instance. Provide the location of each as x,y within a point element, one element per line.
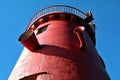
<point>66,52</point>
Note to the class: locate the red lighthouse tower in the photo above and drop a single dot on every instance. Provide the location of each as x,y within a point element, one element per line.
<point>59,45</point>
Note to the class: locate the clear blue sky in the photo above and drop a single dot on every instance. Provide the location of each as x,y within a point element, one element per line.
<point>15,15</point>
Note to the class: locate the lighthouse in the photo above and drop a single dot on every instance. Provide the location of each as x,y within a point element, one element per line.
<point>59,44</point>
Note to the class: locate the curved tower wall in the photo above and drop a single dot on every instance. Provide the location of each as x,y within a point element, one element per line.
<point>59,45</point>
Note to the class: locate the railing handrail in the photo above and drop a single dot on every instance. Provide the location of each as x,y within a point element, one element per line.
<point>57,8</point>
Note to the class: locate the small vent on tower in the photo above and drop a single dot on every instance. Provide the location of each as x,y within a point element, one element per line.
<point>33,76</point>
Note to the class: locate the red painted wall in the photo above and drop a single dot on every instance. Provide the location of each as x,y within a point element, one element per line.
<point>60,56</point>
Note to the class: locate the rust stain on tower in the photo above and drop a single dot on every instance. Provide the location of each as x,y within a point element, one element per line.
<point>59,45</point>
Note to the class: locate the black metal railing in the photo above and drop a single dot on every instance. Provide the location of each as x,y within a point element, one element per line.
<point>57,9</point>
